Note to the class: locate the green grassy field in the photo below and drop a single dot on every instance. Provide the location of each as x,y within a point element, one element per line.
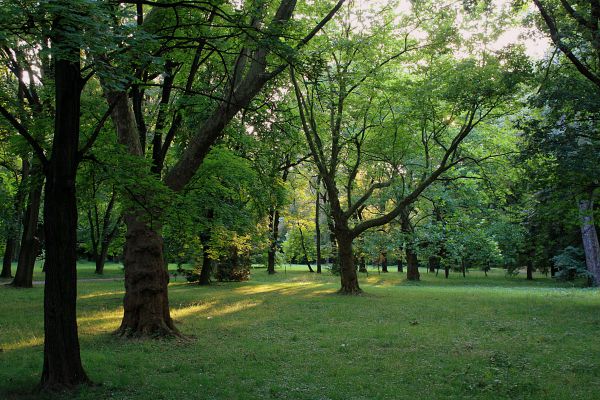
<point>290,337</point>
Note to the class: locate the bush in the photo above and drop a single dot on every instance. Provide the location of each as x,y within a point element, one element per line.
<point>233,268</point>
<point>570,264</point>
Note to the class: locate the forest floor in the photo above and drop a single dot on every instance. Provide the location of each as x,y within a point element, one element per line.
<point>289,336</point>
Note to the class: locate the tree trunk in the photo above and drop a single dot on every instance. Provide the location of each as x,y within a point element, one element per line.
<point>346,260</point>
<point>529,270</point>
<point>412,265</point>
<point>590,238</point>
<point>8,257</point>
<point>206,263</point>
<point>362,266</point>
<point>384,262</point>
<point>318,226</point>
<point>304,249</point>
<point>463,267</point>
<point>100,258</point>
<point>62,362</point>
<point>30,243</point>
<point>400,266</point>
<point>146,302</point>
<point>274,227</point>
<point>446,271</point>
<point>434,263</point>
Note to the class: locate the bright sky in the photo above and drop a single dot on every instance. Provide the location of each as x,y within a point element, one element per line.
<point>536,44</point>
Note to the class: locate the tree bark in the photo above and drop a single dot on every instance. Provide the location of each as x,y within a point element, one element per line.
<point>62,362</point>
<point>304,249</point>
<point>412,264</point>
<point>30,243</point>
<point>146,302</point>
<point>463,267</point>
<point>400,266</point>
<point>590,238</point>
<point>346,259</point>
<point>362,266</point>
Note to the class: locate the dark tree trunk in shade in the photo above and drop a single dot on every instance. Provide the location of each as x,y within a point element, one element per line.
<point>446,271</point>
<point>412,265</point>
<point>206,271</point>
<point>463,267</point>
<point>100,258</point>
<point>30,242</point>
<point>434,263</point>
<point>529,270</point>
<point>348,274</point>
<point>384,262</point>
<point>9,252</point>
<point>62,362</point>
<point>362,265</point>
<point>400,266</point>
<point>146,303</point>
<point>273,244</point>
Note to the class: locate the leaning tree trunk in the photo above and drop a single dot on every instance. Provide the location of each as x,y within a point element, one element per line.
<point>590,238</point>
<point>62,362</point>
<point>30,244</point>
<point>412,264</point>
<point>146,302</point>
<point>100,257</point>
<point>346,261</point>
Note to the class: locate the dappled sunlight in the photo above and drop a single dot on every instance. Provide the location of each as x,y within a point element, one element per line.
<point>281,288</point>
<point>100,294</point>
<point>211,310</point>
<point>24,343</point>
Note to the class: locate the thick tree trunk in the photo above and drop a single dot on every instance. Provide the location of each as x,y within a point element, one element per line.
<point>590,238</point>
<point>400,266</point>
<point>446,271</point>
<point>412,265</point>
<point>30,243</point>
<point>206,271</point>
<point>274,228</point>
<point>62,362</point>
<point>146,302</point>
<point>348,274</point>
<point>384,262</point>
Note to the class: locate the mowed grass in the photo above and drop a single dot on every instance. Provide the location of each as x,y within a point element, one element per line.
<point>290,336</point>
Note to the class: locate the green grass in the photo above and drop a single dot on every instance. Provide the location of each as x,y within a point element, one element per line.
<point>290,337</point>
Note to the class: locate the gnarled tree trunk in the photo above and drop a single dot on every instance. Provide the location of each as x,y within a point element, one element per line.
<point>146,302</point>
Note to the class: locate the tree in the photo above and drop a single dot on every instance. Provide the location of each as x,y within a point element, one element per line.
<point>146,312</point>
<point>351,137</point>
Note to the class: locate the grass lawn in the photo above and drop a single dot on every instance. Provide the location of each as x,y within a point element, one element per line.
<point>289,336</point>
